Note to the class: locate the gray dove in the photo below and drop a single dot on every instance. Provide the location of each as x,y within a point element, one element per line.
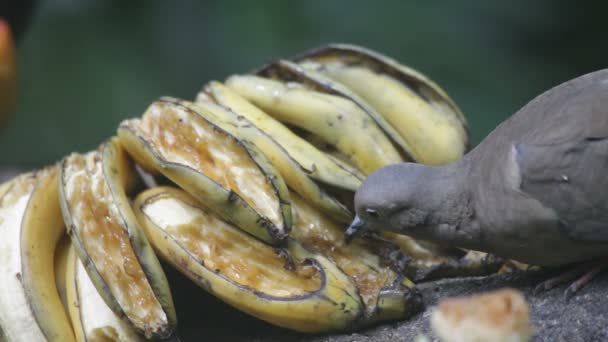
<point>534,190</point>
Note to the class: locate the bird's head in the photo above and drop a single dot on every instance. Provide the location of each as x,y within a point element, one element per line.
<point>395,198</point>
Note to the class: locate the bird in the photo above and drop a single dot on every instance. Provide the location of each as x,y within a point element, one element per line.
<point>534,190</point>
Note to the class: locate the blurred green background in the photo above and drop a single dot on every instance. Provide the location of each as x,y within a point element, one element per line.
<point>87,64</point>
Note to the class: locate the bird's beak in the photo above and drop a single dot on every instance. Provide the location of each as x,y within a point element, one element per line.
<point>355,229</point>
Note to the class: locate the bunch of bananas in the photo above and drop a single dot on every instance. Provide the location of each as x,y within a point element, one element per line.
<point>246,191</point>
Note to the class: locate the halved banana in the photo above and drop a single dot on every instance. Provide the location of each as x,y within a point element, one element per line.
<point>287,70</point>
<point>315,163</point>
<point>110,243</point>
<point>229,175</point>
<point>424,115</point>
<point>308,293</point>
<point>386,294</point>
<point>91,317</point>
<point>291,171</point>
<point>31,227</point>
<point>337,120</point>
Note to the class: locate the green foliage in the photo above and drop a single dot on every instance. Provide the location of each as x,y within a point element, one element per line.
<point>86,65</point>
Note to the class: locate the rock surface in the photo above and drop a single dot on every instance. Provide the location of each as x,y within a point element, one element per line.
<point>555,318</point>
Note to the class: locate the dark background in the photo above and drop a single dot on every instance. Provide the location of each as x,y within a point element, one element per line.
<point>86,65</point>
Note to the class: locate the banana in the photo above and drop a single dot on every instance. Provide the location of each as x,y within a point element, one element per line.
<point>110,243</point>
<point>308,293</point>
<point>31,227</point>
<point>91,317</point>
<point>292,172</point>
<point>337,120</point>
<point>386,294</point>
<point>60,267</point>
<point>230,175</point>
<point>288,70</point>
<point>427,119</point>
<point>312,161</point>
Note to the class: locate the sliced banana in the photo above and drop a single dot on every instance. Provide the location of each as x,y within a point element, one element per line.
<point>428,120</point>
<point>291,171</point>
<point>307,293</point>
<point>337,120</point>
<point>91,317</point>
<point>31,227</point>
<point>314,162</point>
<point>230,175</point>
<point>110,243</point>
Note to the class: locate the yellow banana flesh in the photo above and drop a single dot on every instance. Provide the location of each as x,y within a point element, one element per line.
<point>111,244</point>
<point>337,120</point>
<point>91,317</point>
<point>295,177</point>
<point>315,163</point>
<point>307,293</point>
<point>230,175</point>
<point>31,226</point>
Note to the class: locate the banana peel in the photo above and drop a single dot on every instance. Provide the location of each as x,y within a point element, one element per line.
<point>337,120</point>
<point>291,288</point>
<point>315,163</point>
<point>31,226</point>
<point>286,70</point>
<point>110,243</point>
<point>230,175</point>
<point>433,127</point>
<point>293,173</point>
<point>386,293</point>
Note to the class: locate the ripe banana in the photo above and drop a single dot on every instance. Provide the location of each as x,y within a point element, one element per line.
<point>31,227</point>
<point>427,119</point>
<point>312,161</point>
<point>230,175</point>
<point>109,241</point>
<point>337,120</point>
<point>287,70</point>
<point>292,172</point>
<point>91,317</point>
<point>268,165</point>
<point>307,293</point>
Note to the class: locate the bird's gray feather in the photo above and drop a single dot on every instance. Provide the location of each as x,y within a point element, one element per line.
<point>562,155</point>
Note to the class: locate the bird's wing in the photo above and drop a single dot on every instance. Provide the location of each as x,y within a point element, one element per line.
<point>569,176</point>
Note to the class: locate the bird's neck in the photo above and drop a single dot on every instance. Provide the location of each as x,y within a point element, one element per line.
<point>452,222</point>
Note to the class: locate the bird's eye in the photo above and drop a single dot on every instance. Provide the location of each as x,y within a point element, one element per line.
<point>372,212</point>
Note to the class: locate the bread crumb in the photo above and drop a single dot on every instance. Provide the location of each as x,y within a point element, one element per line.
<point>501,315</point>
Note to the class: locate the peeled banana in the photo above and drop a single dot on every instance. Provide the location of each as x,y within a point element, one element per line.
<point>259,176</point>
